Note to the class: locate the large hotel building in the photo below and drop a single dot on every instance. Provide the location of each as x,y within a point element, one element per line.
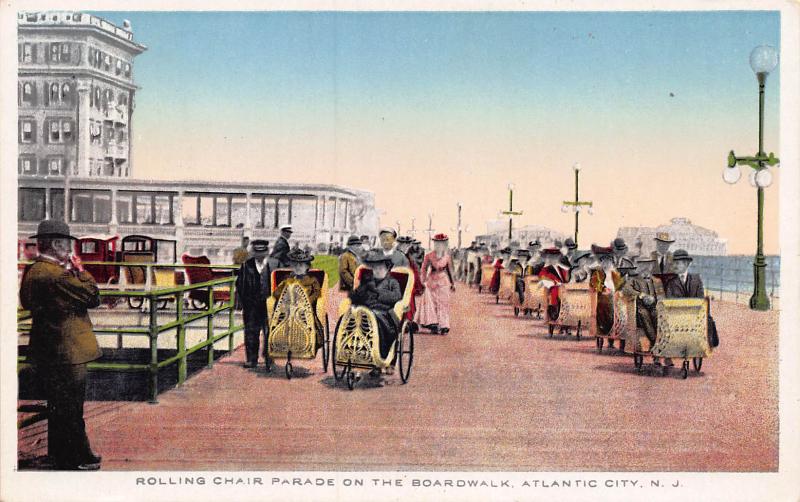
<point>76,97</point>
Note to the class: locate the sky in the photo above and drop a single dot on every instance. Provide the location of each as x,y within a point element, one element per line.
<point>429,109</point>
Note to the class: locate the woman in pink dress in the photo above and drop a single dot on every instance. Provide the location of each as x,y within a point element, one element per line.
<point>433,312</point>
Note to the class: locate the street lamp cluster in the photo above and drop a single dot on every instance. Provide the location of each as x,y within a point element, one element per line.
<point>763,60</point>
<point>577,205</point>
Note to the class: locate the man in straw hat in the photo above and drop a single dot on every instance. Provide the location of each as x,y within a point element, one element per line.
<point>58,292</point>
<point>281,248</point>
<point>662,255</point>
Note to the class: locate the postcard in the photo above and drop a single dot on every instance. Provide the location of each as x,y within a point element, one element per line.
<point>423,251</point>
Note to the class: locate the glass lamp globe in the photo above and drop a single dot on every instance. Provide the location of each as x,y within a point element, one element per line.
<point>563,208</point>
<point>731,174</point>
<point>591,210</point>
<point>576,166</point>
<point>764,59</point>
<point>752,178</point>
<point>577,209</point>
<point>763,178</point>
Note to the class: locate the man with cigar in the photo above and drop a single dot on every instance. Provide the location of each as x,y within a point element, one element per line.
<point>58,293</point>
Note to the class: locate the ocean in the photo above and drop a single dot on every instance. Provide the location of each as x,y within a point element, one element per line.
<point>735,273</point>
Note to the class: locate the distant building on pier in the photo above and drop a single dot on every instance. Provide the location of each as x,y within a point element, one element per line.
<point>76,98</point>
<point>497,233</point>
<point>694,239</point>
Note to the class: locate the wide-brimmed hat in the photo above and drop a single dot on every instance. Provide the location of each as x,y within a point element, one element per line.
<point>664,237</point>
<point>681,254</point>
<point>388,230</point>
<point>440,237</point>
<point>601,250</point>
<point>534,243</point>
<point>259,245</point>
<point>619,243</point>
<point>353,240</point>
<point>299,256</point>
<point>415,241</point>
<point>551,251</point>
<point>505,250</point>
<point>377,256</point>
<point>570,243</point>
<point>523,252</point>
<point>404,239</point>
<point>53,229</point>
<point>287,228</point>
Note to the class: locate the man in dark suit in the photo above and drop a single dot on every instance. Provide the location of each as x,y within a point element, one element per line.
<point>281,249</point>
<point>683,284</point>
<point>253,288</point>
<point>662,255</point>
<point>58,291</point>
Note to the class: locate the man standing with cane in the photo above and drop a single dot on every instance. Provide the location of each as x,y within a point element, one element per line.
<point>58,291</point>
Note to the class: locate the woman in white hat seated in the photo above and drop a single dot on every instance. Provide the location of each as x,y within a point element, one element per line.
<point>379,292</point>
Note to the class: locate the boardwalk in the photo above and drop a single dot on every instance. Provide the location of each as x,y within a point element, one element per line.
<point>495,394</point>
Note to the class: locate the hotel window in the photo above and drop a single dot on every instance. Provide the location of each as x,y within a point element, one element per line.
<point>31,204</point>
<point>55,131</point>
<point>127,70</point>
<point>66,130</point>
<point>65,48</point>
<point>107,62</point>
<point>27,164</point>
<point>98,59</point>
<point>54,165</point>
<point>29,93</point>
<point>97,97</point>
<point>55,93</point>
<point>66,93</point>
<point>27,53</point>
<point>27,134</point>
<point>119,66</point>
<point>55,51</point>
<point>95,133</point>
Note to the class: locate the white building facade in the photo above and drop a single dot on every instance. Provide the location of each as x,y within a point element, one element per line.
<point>76,97</point>
<point>694,239</point>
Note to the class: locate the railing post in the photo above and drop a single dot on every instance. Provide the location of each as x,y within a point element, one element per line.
<point>181,338</point>
<point>153,369</point>
<point>210,326</point>
<point>231,315</point>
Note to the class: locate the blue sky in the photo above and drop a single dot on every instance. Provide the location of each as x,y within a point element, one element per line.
<point>347,97</point>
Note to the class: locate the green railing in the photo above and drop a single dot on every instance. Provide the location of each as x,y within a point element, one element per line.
<point>153,330</point>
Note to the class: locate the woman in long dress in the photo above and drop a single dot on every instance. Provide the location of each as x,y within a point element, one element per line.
<point>437,276</point>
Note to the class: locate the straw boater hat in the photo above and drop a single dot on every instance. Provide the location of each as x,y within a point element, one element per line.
<point>52,229</point>
<point>388,230</point>
<point>353,240</point>
<point>440,237</point>
<point>376,256</point>
<point>299,256</point>
<point>681,254</point>
<point>664,237</point>
<point>287,228</point>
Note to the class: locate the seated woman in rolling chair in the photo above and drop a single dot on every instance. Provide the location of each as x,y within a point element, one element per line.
<point>300,262</point>
<point>379,292</point>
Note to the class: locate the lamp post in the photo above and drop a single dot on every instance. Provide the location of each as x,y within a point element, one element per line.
<point>763,60</point>
<point>577,205</point>
<point>430,229</point>
<point>511,213</point>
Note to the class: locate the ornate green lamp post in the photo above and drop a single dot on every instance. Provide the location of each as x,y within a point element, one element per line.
<point>763,60</point>
<point>577,204</point>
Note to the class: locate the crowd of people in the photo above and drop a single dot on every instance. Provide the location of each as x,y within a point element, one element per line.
<point>607,269</point>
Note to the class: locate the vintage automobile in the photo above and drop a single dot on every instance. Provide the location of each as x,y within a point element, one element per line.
<point>682,333</point>
<point>99,248</point>
<point>355,341</point>
<point>294,322</point>
<point>577,310</point>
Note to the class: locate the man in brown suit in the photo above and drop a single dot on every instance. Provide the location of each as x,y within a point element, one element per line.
<point>647,290</point>
<point>58,291</point>
<point>348,263</point>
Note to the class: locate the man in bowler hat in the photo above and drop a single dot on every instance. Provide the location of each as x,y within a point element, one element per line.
<point>281,249</point>
<point>253,288</point>
<point>58,292</point>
